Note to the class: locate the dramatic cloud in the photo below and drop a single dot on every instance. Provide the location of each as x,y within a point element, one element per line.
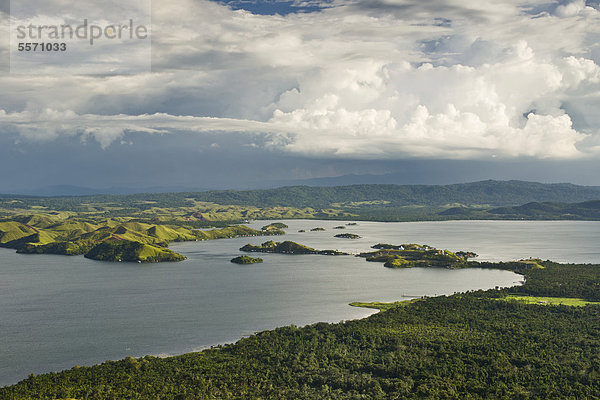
<point>453,79</point>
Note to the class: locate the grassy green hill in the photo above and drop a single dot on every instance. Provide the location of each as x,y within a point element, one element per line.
<point>535,210</point>
<point>588,210</point>
<point>108,239</point>
<point>125,250</point>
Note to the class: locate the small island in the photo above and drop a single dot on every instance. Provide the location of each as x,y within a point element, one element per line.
<point>466,254</point>
<point>288,247</point>
<point>275,228</point>
<point>246,260</point>
<point>416,255</point>
<point>279,225</point>
<point>128,251</point>
<point>317,229</point>
<point>347,236</point>
<point>339,227</point>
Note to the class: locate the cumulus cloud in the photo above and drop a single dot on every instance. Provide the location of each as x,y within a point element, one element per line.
<point>570,8</point>
<point>371,79</point>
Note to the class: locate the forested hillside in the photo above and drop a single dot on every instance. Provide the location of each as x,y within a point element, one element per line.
<point>495,193</point>
<point>479,200</point>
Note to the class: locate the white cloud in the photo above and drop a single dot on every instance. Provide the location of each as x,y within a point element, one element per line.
<point>456,112</point>
<point>570,9</point>
<point>452,79</point>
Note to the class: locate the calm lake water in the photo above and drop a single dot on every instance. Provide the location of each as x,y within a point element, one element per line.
<point>57,311</point>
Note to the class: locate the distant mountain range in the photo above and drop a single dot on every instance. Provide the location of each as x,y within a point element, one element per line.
<point>344,180</point>
<point>489,193</point>
<point>378,202</point>
<point>398,179</point>
<point>72,190</point>
<point>485,193</point>
<point>353,179</point>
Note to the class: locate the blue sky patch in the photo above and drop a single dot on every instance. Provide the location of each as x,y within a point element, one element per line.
<point>266,7</point>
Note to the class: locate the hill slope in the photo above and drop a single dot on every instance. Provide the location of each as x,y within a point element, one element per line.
<point>494,193</point>
<point>587,210</point>
<point>487,192</point>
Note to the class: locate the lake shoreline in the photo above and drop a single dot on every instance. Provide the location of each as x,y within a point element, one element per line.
<point>495,306</point>
<point>283,290</point>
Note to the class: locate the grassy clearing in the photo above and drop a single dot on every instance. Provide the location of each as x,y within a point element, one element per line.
<point>380,305</point>
<point>566,301</point>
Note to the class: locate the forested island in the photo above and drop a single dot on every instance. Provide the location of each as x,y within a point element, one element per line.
<point>276,228</point>
<point>424,256</point>
<point>347,236</point>
<point>128,251</point>
<point>246,260</point>
<point>415,255</point>
<point>288,247</point>
<point>539,340</point>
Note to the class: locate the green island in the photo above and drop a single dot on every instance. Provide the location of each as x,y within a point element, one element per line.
<point>339,227</point>
<point>126,250</point>
<point>246,260</point>
<point>288,247</point>
<point>275,228</point>
<point>417,255</point>
<point>318,229</point>
<point>480,344</point>
<point>108,239</point>
<point>347,236</point>
<point>278,225</point>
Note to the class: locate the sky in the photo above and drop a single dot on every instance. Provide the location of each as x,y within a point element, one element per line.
<point>219,94</point>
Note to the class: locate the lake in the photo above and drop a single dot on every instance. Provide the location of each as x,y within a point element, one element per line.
<point>58,311</point>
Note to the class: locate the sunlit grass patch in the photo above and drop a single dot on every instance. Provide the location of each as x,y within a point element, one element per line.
<point>566,301</point>
<point>381,306</point>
